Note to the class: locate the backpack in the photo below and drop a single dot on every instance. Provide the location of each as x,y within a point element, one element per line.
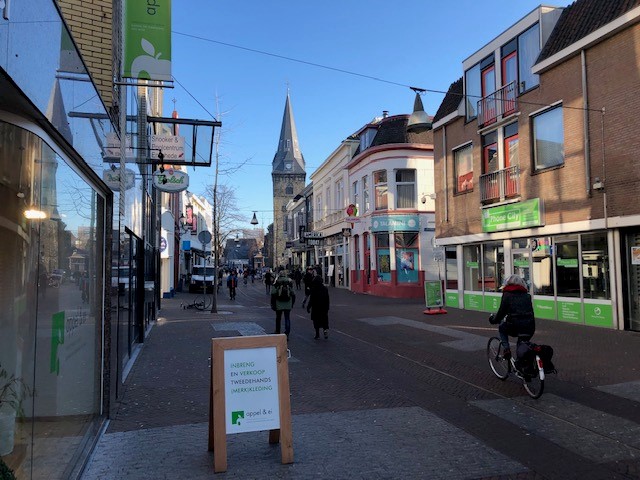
<point>283,294</point>
<point>545,352</point>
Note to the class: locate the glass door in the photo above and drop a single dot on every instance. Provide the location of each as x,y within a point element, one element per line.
<point>521,259</point>
<point>633,276</point>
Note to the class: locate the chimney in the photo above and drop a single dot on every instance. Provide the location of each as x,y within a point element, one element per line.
<point>385,113</point>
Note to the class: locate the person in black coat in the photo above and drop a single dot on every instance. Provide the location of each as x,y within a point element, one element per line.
<point>516,309</point>
<point>318,306</point>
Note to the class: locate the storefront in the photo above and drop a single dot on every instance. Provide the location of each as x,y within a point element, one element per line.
<point>55,232</point>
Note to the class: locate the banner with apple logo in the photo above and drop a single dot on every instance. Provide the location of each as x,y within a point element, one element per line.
<point>147,40</point>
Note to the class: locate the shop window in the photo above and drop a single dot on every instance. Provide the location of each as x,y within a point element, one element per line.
<point>471,259</point>
<point>463,168</point>
<point>567,271</point>
<point>528,51</point>
<point>405,188</point>
<point>548,139</point>
<point>365,194</point>
<point>406,244</point>
<point>451,267</point>
<point>490,153</point>
<point>473,91</point>
<point>542,259</point>
<point>381,189</point>
<point>354,194</point>
<point>356,257</point>
<point>595,266</point>
<point>383,256</point>
<point>492,267</point>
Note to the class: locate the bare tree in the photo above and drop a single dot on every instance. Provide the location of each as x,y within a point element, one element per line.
<point>227,213</point>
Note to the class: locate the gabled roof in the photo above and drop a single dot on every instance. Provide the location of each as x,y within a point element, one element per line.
<point>288,148</point>
<point>580,19</point>
<point>451,100</point>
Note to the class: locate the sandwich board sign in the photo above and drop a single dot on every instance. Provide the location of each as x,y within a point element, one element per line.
<point>249,392</point>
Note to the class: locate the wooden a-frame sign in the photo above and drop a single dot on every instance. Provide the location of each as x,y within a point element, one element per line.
<point>249,392</point>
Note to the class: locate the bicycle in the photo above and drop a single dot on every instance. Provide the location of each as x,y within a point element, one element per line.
<point>201,302</point>
<point>532,375</point>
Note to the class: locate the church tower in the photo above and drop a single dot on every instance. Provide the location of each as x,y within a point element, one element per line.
<point>288,176</point>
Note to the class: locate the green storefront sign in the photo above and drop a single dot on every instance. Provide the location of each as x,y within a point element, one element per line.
<point>492,303</point>
<point>567,262</point>
<point>598,315</point>
<point>570,311</point>
<point>452,300</point>
<point>473,301</point>
<point>147,41</point>
<point>544,308</point>
<point>513,216</point>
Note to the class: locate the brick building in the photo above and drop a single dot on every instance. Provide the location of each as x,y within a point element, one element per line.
<point>536,173</point>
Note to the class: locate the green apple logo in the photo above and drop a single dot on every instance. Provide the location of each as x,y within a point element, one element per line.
<point>150,64</point>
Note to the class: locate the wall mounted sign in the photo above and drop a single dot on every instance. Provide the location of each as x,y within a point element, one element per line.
<point>395,223</point>
<point>170,180</point>
<point>513,216</point>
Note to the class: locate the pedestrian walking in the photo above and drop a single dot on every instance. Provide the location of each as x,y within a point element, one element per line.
<point>306,280</point>
<point>283,298</point>
<point>297,277</point>
<point>268,280</point>
<point>319,307</point>
<point>232,284</point>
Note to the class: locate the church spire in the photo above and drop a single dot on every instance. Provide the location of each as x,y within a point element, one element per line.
<point>288,158</point>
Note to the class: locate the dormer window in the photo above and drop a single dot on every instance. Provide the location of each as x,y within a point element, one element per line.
<point>366,138</point>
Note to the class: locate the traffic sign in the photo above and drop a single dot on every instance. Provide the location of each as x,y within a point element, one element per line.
<point>204,236</point>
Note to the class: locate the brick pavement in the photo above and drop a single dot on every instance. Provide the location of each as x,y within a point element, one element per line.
<point>358,414</point>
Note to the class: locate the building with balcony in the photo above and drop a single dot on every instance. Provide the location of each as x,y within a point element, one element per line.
<point>533,155</point>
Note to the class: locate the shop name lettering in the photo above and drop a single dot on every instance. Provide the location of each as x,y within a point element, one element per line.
<point>174,180</point>
<point>74,322</point>
<point>152,7</point>
<point>505,217</point>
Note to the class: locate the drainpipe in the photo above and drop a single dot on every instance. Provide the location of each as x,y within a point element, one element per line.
<point>585,115</point>
<point>446,176</point>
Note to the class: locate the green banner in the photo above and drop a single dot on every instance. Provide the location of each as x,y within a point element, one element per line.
<point>147,40</point>
<point>433,293</point>
<point>544,308</point>
<point>570,311</point>
<point>513,216</point>
<point>567,262</point>
<point>452,300</point>
<point>492,303</point>
<point>473,301</point>
<point>598,315</point>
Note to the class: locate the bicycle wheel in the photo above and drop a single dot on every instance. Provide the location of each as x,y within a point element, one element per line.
<point>499,365</point>
<point>534,384</point>
<point>202,302</point>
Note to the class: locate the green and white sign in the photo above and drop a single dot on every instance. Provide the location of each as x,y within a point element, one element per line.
<point>598,314</point>
<point>544,308</point>
<point>492,302</point>
<point>251,390</point>
<point>452,299</point>
<point>473,301</point>
<point>395,223</point>
<point>513,216</point>
<point>147,40</point>
<point>570,311</point>
<point>433,293</point>
<point>171,180</point>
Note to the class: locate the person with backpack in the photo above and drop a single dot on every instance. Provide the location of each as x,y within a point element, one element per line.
<point>516,309</point>
<point>283,298</point>
<point>319,307</point>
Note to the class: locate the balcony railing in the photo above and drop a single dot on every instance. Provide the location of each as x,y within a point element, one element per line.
<point>501,103</point>
<point>500,185</point>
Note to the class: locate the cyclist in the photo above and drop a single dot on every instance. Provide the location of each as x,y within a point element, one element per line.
<point>516,309</point>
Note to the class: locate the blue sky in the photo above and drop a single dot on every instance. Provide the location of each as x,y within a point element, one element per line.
<point>416,43</point>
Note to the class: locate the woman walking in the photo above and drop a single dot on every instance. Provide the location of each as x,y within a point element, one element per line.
<point>318,306</point>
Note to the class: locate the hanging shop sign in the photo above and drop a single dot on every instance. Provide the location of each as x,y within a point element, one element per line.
<point>112,179</point>
<point>112,150</point>
<point>395,223</point>
<point>513,216</point>
<point>171,146</point>
<point>170,180</point>
<point>147,42</point>
<point>312,234</point>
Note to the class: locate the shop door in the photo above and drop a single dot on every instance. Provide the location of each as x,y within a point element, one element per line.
<point>633,279</point>
<point>521,261</point>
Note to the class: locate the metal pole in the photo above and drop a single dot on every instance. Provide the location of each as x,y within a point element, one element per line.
<point>216,232</point>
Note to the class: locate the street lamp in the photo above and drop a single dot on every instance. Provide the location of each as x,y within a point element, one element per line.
<point>254,220</point>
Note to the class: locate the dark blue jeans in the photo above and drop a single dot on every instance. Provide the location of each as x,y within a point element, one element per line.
<point>287,321</point>
<point>507,329</point>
